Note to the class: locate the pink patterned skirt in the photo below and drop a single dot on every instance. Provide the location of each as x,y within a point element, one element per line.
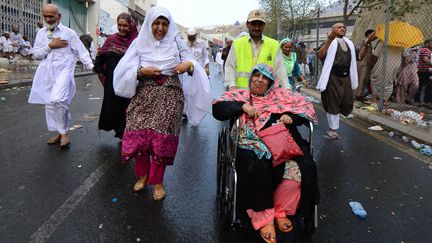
<point>153,121</point>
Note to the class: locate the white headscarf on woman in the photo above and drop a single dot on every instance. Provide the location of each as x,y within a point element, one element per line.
<point>146,51</point>
<point>163,54</point>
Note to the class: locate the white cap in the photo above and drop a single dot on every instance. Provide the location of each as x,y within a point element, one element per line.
<point>191,31</point>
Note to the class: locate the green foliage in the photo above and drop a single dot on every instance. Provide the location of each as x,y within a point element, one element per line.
<point>288,16</point>
<point>398,8</point>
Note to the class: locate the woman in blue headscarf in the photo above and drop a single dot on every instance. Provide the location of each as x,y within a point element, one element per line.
<point>291,63</point>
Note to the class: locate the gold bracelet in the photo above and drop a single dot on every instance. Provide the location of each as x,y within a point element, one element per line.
<point>139,72</point>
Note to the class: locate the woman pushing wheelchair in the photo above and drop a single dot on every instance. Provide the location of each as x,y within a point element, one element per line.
<point>277,176</point>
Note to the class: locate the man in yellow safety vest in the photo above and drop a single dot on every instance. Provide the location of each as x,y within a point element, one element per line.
<point>251,49</point>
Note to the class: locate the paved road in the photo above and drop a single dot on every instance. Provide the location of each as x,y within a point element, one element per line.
<point>67,196</point>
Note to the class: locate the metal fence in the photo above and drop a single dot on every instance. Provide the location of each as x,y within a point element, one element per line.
<point>392,77</point>
<point>21,13</point>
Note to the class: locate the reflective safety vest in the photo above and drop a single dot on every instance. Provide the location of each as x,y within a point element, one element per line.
<point>246,61</point>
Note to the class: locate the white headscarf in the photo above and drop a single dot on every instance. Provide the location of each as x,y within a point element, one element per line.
<point>163,54</point>
<point>146,51</point>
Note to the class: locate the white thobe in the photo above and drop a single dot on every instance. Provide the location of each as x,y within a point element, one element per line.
<point>6,44</point>
<point>199,52</point>
<point>53,83</point>
<point>17,40</point>
<point>25,48</point>
<point>219,61</point>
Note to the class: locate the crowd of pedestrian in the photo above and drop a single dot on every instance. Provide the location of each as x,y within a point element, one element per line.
<point>152,76</point>
<point>407,77</point>
<point>13,44</point>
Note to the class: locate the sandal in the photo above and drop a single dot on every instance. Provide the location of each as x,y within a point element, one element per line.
<point>55,139</point>
<point>268,233</point>
<point>64,140</point>
<point>140,184</point>
<point>158,194</point>
<point>284,224</point>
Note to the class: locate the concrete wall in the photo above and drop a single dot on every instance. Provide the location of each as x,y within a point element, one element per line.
<point>113,7</point>
<point>93,18</point>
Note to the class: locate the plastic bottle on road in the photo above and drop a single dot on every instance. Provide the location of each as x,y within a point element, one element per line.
<point>405,139</point>
<point>391,134</point>
<point>416,145</point>
<point>426,151</point>
<point>358,209</point>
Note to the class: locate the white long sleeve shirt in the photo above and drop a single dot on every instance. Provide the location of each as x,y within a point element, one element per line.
<point>199,52</point>
<point>54,77</point>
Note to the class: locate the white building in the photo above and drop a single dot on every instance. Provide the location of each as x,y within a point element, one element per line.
<point>110,9</point>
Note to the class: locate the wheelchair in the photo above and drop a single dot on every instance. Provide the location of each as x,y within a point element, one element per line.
<point>227,176</point>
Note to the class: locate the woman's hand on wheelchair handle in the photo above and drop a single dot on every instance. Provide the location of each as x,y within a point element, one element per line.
<point>250,110</point>
<point>285,119</point>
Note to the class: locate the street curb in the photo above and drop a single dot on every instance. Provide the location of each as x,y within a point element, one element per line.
<point>24,82</point>
<point>418,134</point>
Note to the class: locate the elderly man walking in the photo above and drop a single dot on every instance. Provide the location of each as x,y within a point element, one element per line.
<point>197,48</point>
<point>338,78</point>
<point>54,85</point>
<point>251,49</point>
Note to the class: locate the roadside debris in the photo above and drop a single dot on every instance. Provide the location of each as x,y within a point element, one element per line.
<point>76,126</point>
<point>89,117</point>
<point>350,116</point>
<point>358,209</point>
<point>376,128</point>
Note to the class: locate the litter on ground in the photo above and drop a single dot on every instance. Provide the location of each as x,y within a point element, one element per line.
<point>376,128</point>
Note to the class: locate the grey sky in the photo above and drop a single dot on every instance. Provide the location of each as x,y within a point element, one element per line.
<point>194,13</point>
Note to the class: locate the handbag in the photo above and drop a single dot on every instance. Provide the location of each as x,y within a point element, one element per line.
<point>279,142</point>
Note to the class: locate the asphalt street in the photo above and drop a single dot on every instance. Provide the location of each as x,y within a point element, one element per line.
<point>84,193</point>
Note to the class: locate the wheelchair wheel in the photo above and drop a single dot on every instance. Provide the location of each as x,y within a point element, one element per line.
<point>226,201</point>
<point>221,160</point>
<point>226,177</point>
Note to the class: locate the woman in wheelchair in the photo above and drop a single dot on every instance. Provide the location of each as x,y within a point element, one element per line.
<point>267,194</point>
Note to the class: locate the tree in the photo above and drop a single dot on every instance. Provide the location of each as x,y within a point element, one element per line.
<point>398,8</point>
<point>276,12</point>
<point>290,15</point>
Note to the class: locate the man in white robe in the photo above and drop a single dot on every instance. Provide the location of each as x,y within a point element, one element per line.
<point>197,48</point>
<point>338,77</point>
<point>219,60</point>
<point>200,54</point>
<point>16,38</point>
<point>54,85</point>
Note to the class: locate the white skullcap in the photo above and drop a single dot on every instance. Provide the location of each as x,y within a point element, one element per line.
<point>191,31</point>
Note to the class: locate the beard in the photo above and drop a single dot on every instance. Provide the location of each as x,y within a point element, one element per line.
<point>52,26</point>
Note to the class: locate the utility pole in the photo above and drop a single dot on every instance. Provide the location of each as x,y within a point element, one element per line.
<point>317,45</point>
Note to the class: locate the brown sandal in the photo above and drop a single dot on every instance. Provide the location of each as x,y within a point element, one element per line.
<point>268,233</point>
<point>158,194</point>
<point>55,139</point>
<point>64,141</point>
<point>284,224</point>
<point>140,184</point>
